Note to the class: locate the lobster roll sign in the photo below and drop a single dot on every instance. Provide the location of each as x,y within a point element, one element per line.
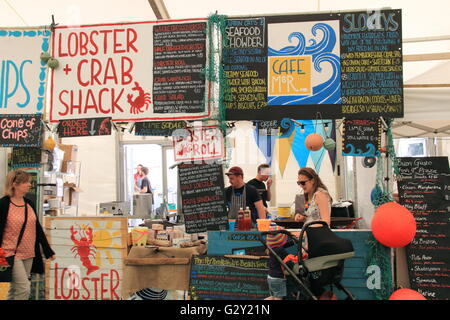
<point>130,71</point>
<point>89,258</point>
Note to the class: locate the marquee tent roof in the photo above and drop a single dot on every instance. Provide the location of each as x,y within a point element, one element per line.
<point>425,107</point>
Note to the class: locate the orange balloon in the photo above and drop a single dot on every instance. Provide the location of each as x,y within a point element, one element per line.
<point>393,225</point>
<point>314,141</point>
<point>406,294</point>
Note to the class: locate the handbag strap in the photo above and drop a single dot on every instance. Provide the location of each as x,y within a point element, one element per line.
<point>22,231</point>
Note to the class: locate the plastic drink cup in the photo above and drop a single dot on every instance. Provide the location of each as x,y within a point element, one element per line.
<point>263,224</point>
<point>231,224</point>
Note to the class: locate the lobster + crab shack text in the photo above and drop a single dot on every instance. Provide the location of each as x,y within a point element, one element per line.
<point>103,61</point>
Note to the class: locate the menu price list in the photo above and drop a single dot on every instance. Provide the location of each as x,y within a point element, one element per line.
<point>202,194</point>
<point>371,63</point>
<point>179,58</point>
<point>424,189</point>
<point>245,64</point>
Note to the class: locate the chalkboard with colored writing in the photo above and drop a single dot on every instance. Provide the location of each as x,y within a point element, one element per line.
<point>361,137</point>
<point>222,278</point>
<point>158,128</point>
<point>424,189</point>
<point>202,196</point>
<point>179,57</point>
<point>346,64</point>
<point>24,157</point>
<point>20,130</point>
<point>84,127</point>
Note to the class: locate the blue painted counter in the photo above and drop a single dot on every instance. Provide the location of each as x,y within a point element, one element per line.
<point>355,272</point>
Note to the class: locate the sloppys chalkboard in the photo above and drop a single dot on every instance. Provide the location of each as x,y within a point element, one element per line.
<point>223,278</point>
<point>202,195</point>
<point>361,137</point>
<point>424,189</point>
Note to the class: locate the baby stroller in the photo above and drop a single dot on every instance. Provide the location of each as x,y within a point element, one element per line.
<point>325,263</point>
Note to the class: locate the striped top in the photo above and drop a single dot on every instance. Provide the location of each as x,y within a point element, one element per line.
<point>14,223</point>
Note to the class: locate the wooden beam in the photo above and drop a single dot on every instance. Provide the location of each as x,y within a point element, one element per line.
<point>159,9</point>
<point>424,39</point>
<point>427,85</point>
<point>426,57</point>
<point>155,261</point>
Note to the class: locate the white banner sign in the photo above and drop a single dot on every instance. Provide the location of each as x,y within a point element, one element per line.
<point>130,71</point>
<point>22,74</point>
<point>196,144</point>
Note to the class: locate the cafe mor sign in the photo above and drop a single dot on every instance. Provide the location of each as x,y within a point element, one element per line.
<point>22,73</point>
<point>130,71</point>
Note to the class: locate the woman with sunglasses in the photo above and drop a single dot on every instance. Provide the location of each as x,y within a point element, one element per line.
<point>317,199</point>
<point>21,234</point>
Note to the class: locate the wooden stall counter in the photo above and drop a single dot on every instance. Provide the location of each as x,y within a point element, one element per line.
<point>164,268</point>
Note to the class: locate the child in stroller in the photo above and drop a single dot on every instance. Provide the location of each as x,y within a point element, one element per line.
<point>325,263</point>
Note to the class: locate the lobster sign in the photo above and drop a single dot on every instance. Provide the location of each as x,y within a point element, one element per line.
<point>84,247</point>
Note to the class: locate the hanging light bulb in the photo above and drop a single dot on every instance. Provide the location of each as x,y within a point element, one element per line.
<point>326,126</point>
<point>302,128</point>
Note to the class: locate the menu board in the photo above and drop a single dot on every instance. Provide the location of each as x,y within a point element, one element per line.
<point>179,58</point>
<point>371,64</point>
<point>33,193</point>
<point>346,64</point>
<point>84,127</point>
<point>20,130</point>
<point>424,189</point>
<point>158,128</point>
<point>268,127</point>
<point>361,137</point>
<point>222,278</point>
<point>23,157</point>
<point>245,65</point>
<point>202,195</point>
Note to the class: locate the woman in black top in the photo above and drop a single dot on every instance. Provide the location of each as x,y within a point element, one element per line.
<point>19,213</point>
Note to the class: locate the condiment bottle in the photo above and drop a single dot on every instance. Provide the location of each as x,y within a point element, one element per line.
<point>247,219</point>
<point>240,219</point>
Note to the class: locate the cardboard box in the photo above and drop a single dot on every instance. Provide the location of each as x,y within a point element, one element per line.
<point>70,154</point>
<point>71,192</point>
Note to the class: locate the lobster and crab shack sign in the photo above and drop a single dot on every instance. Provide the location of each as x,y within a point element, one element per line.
<point>89,258</point>
<point>130,71</point>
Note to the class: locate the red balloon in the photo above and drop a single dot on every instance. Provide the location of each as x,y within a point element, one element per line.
<point>393,225</point>
<point>314,141</point>
<point>406,294</point>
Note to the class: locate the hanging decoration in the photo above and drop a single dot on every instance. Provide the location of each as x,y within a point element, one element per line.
<point>406,294</point>
<point>284,144</point>
<point>393,225</point>
<point>333,153</point>
<point>314,141</point>
<point>379,255</point>
<point>265,141</point>
<point>368,162</point>
<point>299,149</point>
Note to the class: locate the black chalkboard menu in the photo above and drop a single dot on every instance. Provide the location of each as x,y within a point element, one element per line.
<point>33,193</point>
<point>268,127</point>
<point>24,157</point>
<point>222,278</point>
<point>346,64</point>
<point>158,128</point>
<point>179,52</point>
<point>202,195</point>
<point>424,189</point>
<point>361,137</point>
<point>20,130</point>
<point>371,64</point>
<point>84,127</point>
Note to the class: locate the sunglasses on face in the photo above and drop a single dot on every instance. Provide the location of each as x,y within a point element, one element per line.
<point>302,183</point>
